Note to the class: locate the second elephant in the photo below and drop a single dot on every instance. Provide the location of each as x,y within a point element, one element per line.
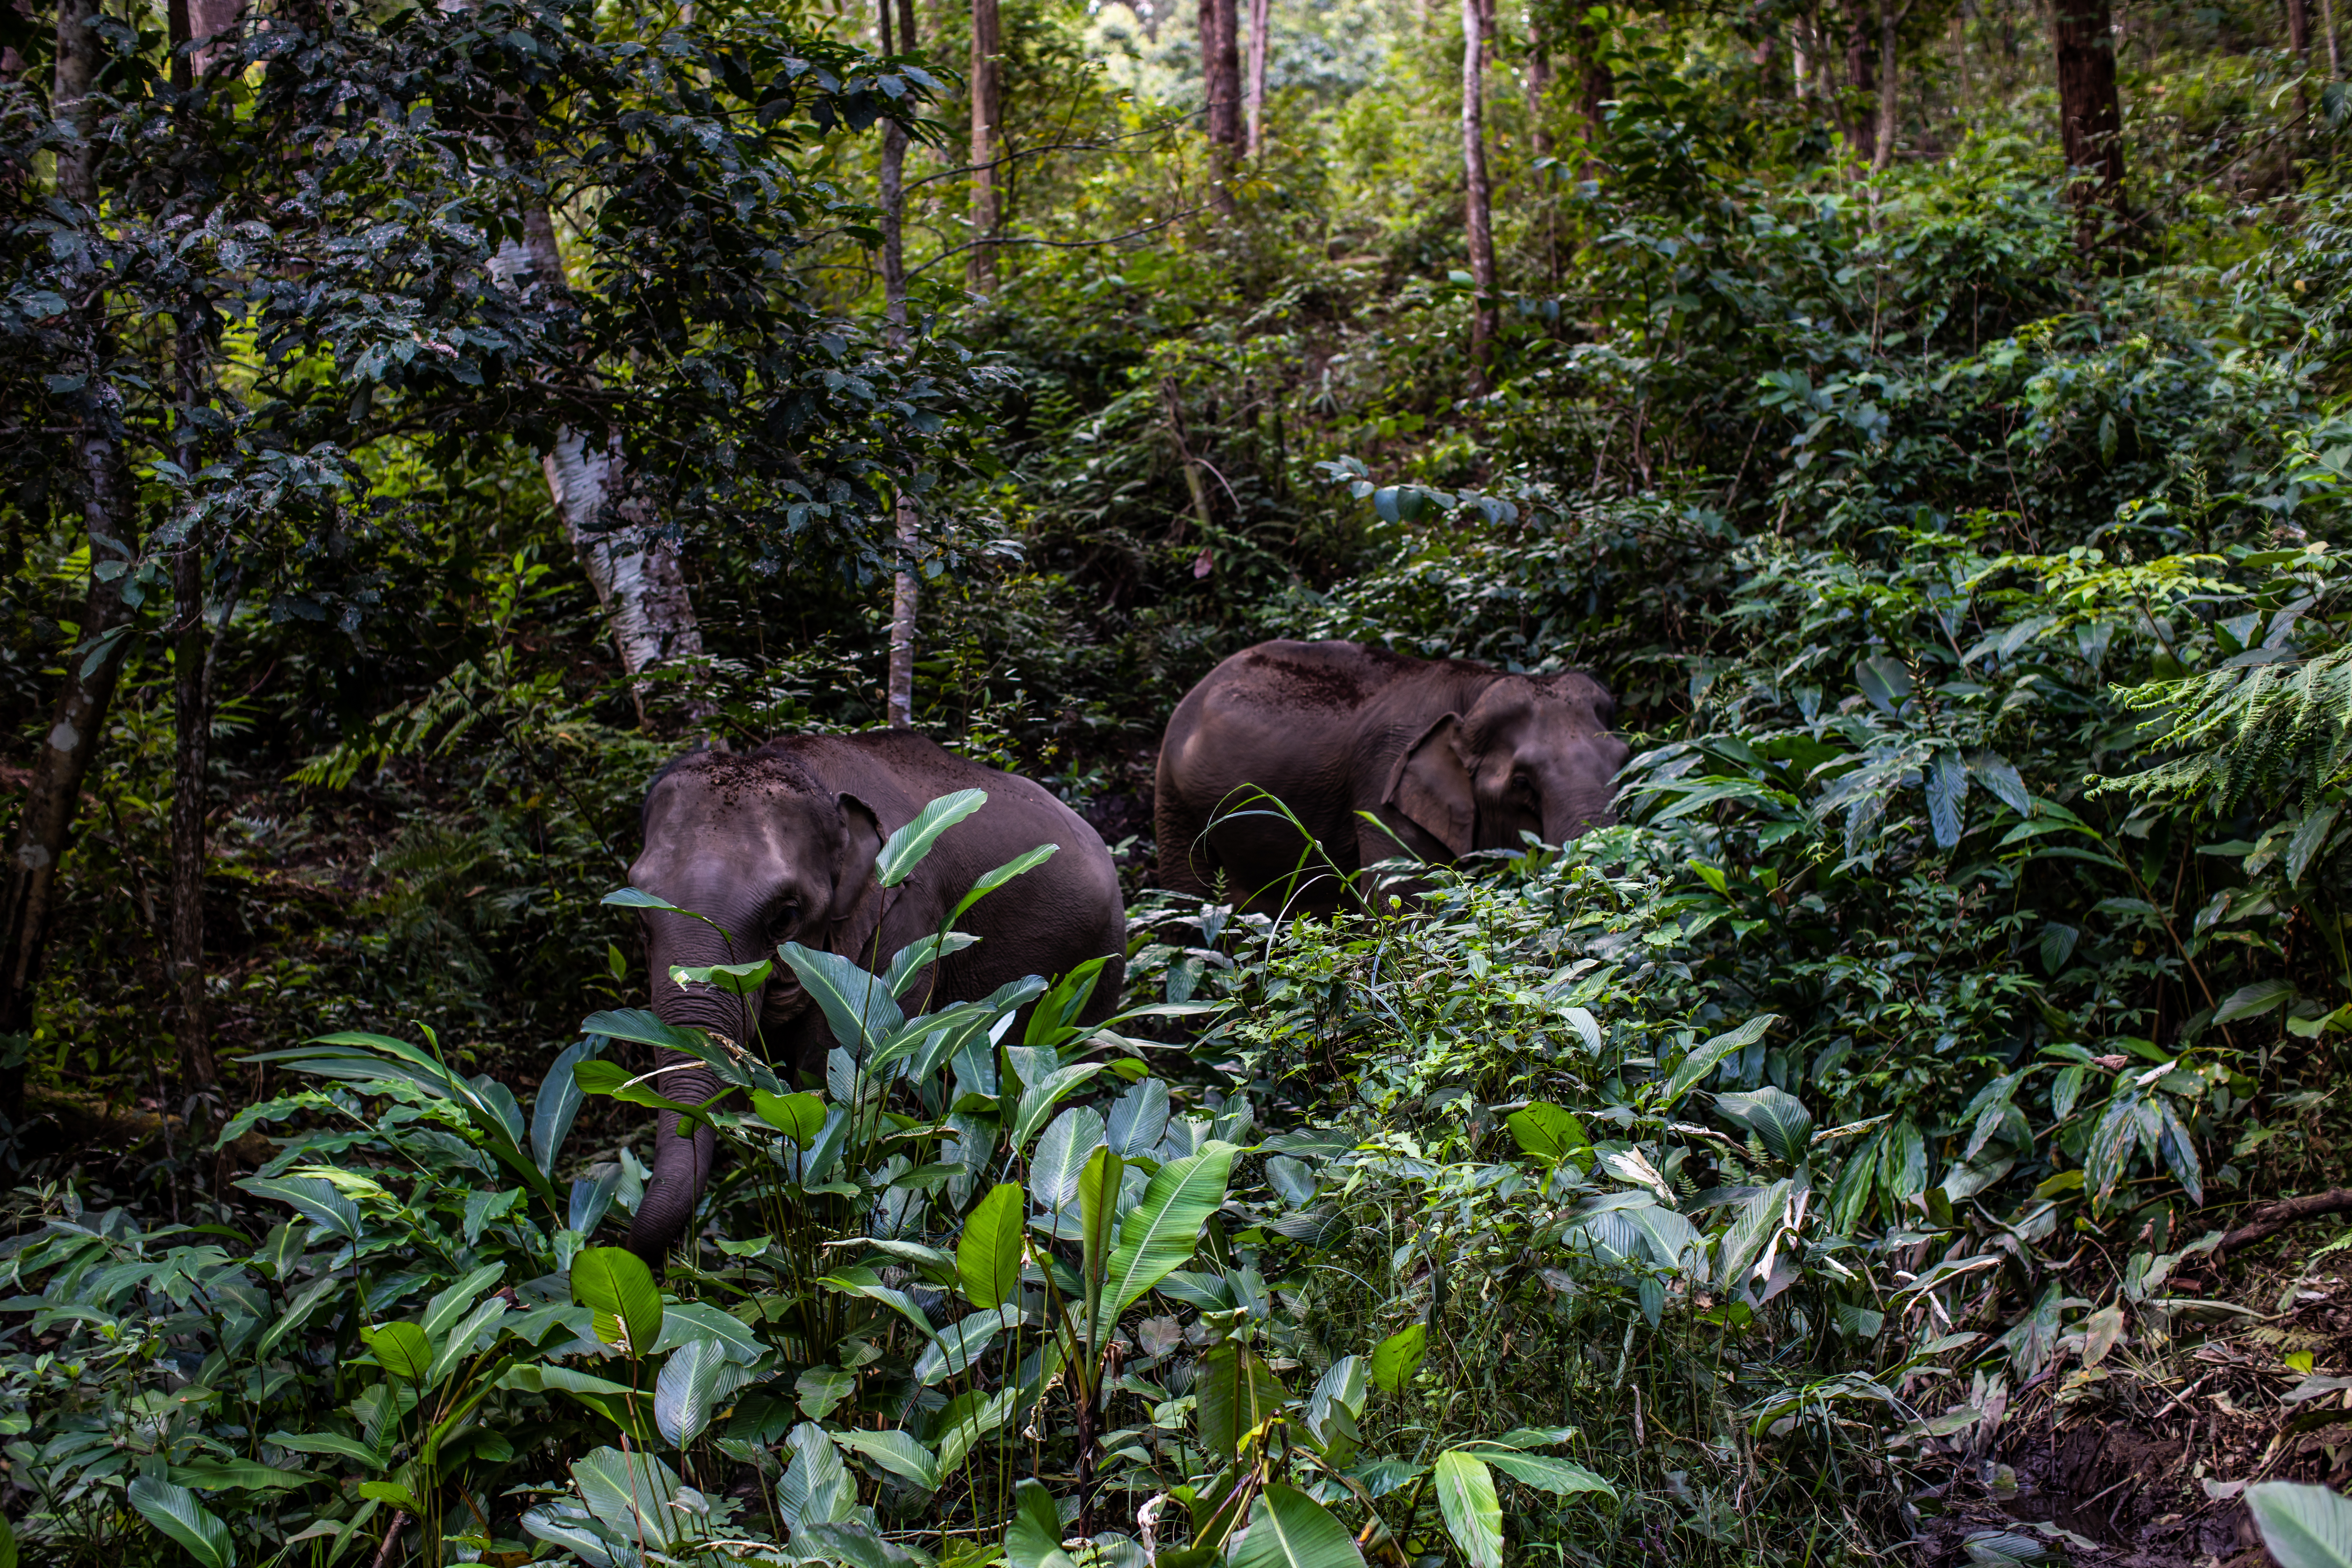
<point>1449,756</point>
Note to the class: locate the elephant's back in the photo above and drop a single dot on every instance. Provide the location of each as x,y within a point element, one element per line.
<point>1058,914</point>
<point>1277,715</point>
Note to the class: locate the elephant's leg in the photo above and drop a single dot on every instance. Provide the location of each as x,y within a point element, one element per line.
<point>1185,861</point>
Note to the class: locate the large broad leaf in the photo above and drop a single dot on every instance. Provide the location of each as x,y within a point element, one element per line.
<point>1473,1515</point>
<point>402,1350</point>
<point>1160,1232</point>
<point>1398,1357</point>
<point>1037,1101</point>
<point>631,1493</point>
<point>1947,785</point>
<point>967,1419</point>
<point>1137,1118</point>
<point>1237,1393</point>
<point>1885,680</point>
<point>314,1200</point>
<point>1548,1133</point>
<point>1053,1166</point>
<point>176,1511</point>
<point>690,1320</point>
<point>615,1284</point>
<point>959,1345</point>
<point>992,881</point>
<point>799,1117</point>
<point>2246,1002</point>
<point>988,1257</point>
<point>236,1475</point>
<point>1777,1118</point>
<point>1288,1529</point>
<point>1703,1059</point>
<point>697,1379</point>
<point>559,1102</point>
<point>1033,1537</point>
<point>857,1005</point>
<point>617,1082</point>
<point>1561,1476</point>
<point>896,1452</point>
<point>2305,1527</point>
<point>816,1487</point>
<point>904,850</point>
<point>1099,1188</point>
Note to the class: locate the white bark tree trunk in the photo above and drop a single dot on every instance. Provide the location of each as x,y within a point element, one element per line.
<point>633,568</point>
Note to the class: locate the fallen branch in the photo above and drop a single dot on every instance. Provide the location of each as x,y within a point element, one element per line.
<point>2271,1218</point>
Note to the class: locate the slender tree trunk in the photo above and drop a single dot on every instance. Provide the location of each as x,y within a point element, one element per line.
<point>192,718</point>
<point>1801,52</point>
<point>1594,88</point>
<point>2298,28</point>
<point>2328,37</point>
<point>632,567</point>
<point>1861,124</point>
<point>1477,194</point>
<point>1539,86</point>
<point>905,588</point>
<point>1890,82</point>
<point>1259,10</point>
<point>1221,87</point>
<point>2090,114</point>
<point>78,715</point>
<point>987,115</point>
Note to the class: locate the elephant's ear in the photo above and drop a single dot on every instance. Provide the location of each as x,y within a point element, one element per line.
<point>852,877</point>
<point>1430,787</point>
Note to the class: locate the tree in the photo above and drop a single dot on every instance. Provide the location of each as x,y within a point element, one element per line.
<point>1259,10</point>
<point>1861,123</point>
<point>2090,114</point>
<point>905,589</point>
<point>1220,81</point>
<point>1890,81</point>
<point>987,115</point>
<point>1477,194</point>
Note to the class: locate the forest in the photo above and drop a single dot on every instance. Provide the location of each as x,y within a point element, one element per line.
<point>1894,1117</point>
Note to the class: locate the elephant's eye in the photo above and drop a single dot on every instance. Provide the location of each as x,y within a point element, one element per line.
<point>787,913</point>
<point>1522,779</point>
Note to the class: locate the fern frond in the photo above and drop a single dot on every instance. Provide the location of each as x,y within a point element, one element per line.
<point>2280,731</point>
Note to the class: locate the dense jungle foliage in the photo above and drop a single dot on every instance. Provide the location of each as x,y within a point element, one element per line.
<point>1790,1173</point>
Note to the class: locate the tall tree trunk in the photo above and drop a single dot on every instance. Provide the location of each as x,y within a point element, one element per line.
<point>1801,56</point>
<point>1259,10</point>
<point>1861,56</point>
<point>987,115</point>
<point>2328,37</point>
<point>2298,28</point>
<point>633,568</point>
<point>2090,115</point>
<point>77,716</point>
<point>1539,86</point>
<point>1477,194</point>
<point>905,588</point>
<point>1890,81</point>
<point>1594,88</point>
<point>1221,85</point>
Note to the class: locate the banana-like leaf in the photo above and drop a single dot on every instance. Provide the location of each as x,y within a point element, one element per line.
<point>1238,1392</point>
<point>1061,1154</point>
<point>236,1475</point>
<point>402,1350</point>
<point>176,1511</point>
<point>1037,1101</point>
<point>992,881</point>
<point>958,1346</point>
<point>559,1103</point>
<point>1288,1529</point>
<point>1137,1120</point>
<point>1033,1537</point>
<point>2305,1527</point>
<point>1703,1059</point>
<point>896,1452</point>
<point>314,1200</point>
<point>857,1004</point>
<point>698,1378</point>
<point>1540,1470</point>
<point>988,1258</point>
<point>1398,1357</point>
<point>904,850</point>
<point>631,1493</point>
<point>1548,1133</point>
<point>615,1284</point>
<point>1473,1515</point>
<point>1160,1232</point>
<point>816,1487</point>
<point>1777,1118</point>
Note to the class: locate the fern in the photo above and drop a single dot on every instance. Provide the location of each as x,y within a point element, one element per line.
<point>2272,731</point>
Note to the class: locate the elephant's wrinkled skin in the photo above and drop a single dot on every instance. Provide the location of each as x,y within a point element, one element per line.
<point>1451,756</point>
<point>778,844</point>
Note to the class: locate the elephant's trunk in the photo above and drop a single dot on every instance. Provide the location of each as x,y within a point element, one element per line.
<point>681,1166</point>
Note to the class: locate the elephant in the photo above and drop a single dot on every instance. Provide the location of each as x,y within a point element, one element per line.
<point>778,845</point>
<point>1448,755</point>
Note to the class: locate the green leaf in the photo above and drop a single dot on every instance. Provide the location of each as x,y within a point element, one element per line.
<point>559,1103</point>
<point>615,1284</point>
<point>1947,785</point>
<point>238,1475</point>
<point>1541,1470</point>
<point>1777,1118</point>
<point>1885,680</point>
<point>1037,1101</point>
<point>329,1443</point>
<point>857,1004</point>
<point>797,1116</point>
<point>988,1256</point>
<point>696,1380</point>
<point>7,1542</point>
<point>905,849</point>
<point>2305,1527</point>
<point>1288,1529</point>
<point>1160,1232</point>
<point>615,1082</point>
<point>1547,1132</point>
<point>1704,1059</point>
<point>2246,1002</point>
<point>402,1350</point>
<point>176,1511</point>
<point>313,1199</point>
<point>630,1493</point>
<point>1099,1188</point>
<point>1237,1393</point>
<point>1033,1537</point>
<point>994,880</point>
<point>816,1487</point>
<point>1398,1357</point>
<point>896,1452</point>
<point>1473,1515</point>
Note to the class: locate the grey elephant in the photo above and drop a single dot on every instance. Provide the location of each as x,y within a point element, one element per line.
<point>1449,756</point>
<point>778,844</point>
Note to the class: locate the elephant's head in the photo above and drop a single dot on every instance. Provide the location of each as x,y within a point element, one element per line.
<point>1533,752</point>
<point>766,855</point>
